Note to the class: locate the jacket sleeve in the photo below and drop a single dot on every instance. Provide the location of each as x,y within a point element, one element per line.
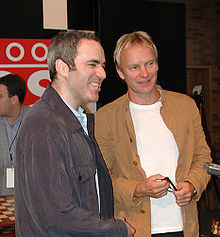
<point>114,150</point>
<point>49,194</point>
<point>201,154</point>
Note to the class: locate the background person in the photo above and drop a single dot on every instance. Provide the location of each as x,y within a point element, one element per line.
<point>63,187</point>
<point>12,112</point>
<point>149,134</point>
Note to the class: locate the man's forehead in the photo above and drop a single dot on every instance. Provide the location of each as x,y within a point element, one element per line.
<point>85,42</point>
<point>91,49</point>
<point>3,87</point>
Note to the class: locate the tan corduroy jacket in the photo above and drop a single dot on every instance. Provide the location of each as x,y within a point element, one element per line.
<point>116,138</point>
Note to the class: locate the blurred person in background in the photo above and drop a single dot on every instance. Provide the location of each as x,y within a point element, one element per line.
<point>12,112</point>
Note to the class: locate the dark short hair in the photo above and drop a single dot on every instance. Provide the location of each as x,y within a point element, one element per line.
<point>15,86</point>
<point>64,46</point>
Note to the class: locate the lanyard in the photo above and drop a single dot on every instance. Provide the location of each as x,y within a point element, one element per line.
<point>11,144</point>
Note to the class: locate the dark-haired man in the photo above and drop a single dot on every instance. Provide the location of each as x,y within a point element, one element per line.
<point>62,184</point>
<point>12,111</point>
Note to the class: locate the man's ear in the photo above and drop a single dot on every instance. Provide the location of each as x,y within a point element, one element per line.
<point>61,68</point>
<point>15,99</point>
<point>120,73</point>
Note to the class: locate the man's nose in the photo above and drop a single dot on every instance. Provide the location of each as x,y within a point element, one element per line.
<point>144,71</point>
<point>101,72</point>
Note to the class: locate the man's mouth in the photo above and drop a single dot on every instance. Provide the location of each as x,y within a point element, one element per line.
<point>97,85</point>
<point>144,82</point>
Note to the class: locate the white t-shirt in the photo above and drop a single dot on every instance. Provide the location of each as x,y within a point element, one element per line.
<point>159,153</point>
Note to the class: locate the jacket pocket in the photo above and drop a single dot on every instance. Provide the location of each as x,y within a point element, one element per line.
<point>82,174</point>
<point>85,188</point>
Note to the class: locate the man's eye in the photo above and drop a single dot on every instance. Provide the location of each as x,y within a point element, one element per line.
<point>133,68</point>
<point>92,65</point>
<point>150,63</point>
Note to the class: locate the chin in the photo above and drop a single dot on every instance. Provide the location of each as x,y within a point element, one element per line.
<point>93,99</point>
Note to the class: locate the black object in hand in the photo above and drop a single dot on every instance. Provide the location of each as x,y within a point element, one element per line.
<point>171,183</point>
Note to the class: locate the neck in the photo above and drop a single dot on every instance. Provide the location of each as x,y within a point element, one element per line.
<point>14,116</point>
<point>66,95</point>
<point>145,99</point>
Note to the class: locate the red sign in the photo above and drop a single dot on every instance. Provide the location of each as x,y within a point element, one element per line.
<point>26,58</point>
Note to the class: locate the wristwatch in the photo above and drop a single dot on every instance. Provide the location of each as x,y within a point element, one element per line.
<point>194,193</point>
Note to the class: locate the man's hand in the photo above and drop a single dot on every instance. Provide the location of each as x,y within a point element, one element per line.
<point>184,194</point>
<point>130,229</point>
<point>153,186</point>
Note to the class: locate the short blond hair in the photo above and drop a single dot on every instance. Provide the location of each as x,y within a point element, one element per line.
<point>127,40</point>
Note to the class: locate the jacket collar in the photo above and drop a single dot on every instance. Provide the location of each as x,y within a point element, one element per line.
<point>162,99</point>
<point>57,105</point>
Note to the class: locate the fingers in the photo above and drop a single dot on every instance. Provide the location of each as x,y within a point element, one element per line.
<point>184,194</point>
<point>159,195</point>
<point>183,200</point>
<point>153,186</point>
<point>159,187</point>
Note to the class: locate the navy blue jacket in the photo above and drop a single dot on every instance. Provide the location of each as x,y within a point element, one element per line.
<point>56,161</point>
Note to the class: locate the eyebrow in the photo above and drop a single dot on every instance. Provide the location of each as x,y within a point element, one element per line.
<point>96,62</point>
<point>136,64</point>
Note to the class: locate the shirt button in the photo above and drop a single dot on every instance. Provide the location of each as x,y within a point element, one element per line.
<point>142,211</point>
<point>135,163</point>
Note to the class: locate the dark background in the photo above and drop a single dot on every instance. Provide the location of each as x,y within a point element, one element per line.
<point>165,22</point>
